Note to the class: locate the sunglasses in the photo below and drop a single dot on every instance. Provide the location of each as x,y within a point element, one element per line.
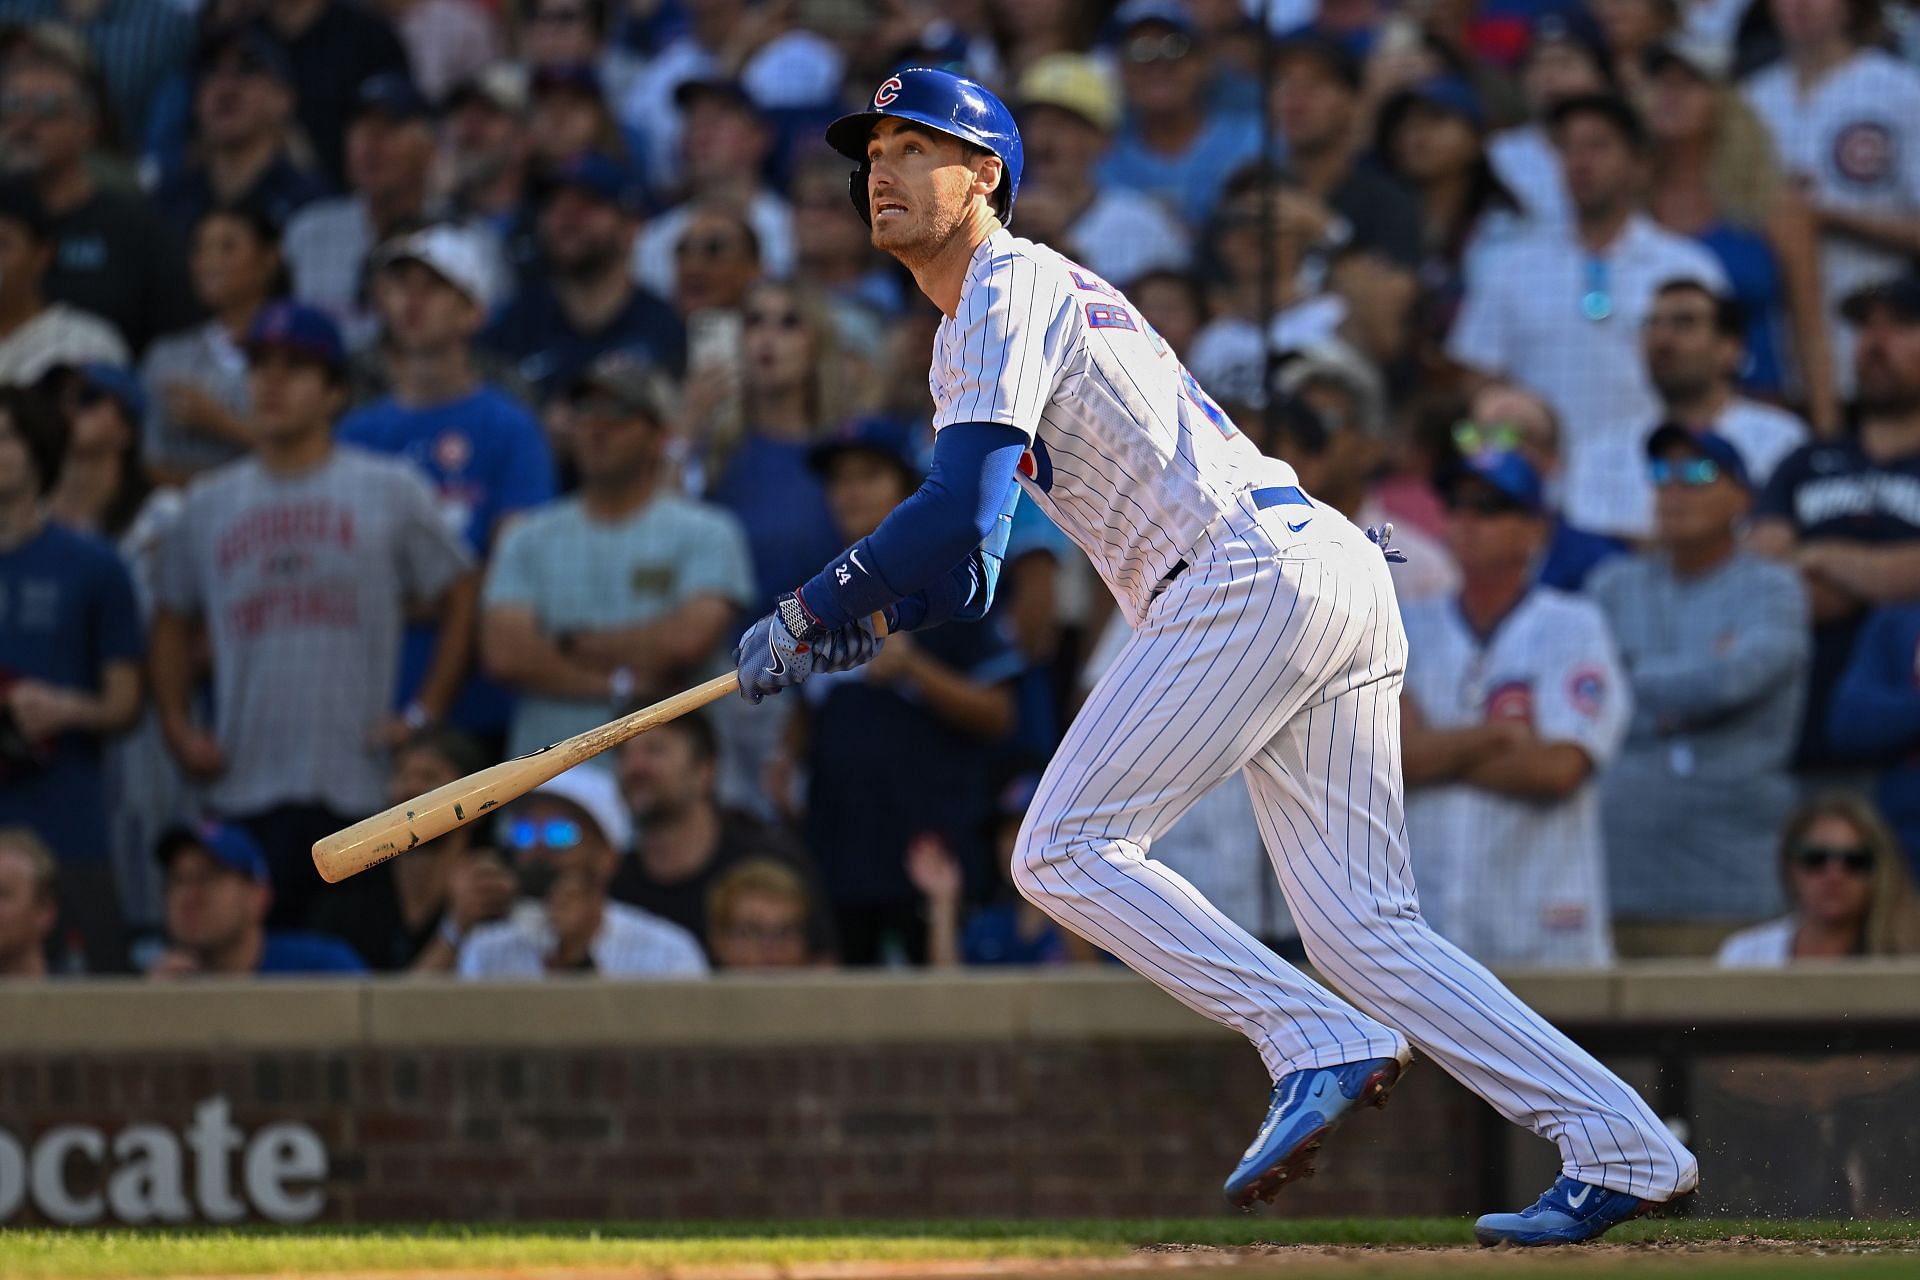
<point>1693,473</point>
<point>38,106</point>
<point>1596,304</point>
<point>788,320</point>
<point>1813,857</point>
<point>1481,437</point>
<point>1144,51</point>
<point>554,833</point>
<point>712,248</point>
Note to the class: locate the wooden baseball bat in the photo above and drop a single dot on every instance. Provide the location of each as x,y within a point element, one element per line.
<point>391,832</point>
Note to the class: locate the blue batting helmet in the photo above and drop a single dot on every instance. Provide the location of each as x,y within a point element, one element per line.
<point>952,104</point>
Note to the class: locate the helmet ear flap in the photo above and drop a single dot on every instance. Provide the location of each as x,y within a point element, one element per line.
<point>857,190</point>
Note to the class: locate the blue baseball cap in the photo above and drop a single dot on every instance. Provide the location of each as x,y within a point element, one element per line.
<point>1138,13</point>
<point>391,94</point>
<point>1710,445</point>
<point>1446,93</point>
<point>119,384</point>
<point>253,50</point>
<point>227,844</point>
<point>1506,472</point>
<point>298,329</point>
<point>890,438</point>
<point>600,176</point>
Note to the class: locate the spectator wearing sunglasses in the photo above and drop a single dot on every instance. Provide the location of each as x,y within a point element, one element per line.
<point>565,841</point>
<point>1847,886</point>
<point>1562,308</point>
<point>1172,147</point>
<point>1514,705</point>
<point>1715,642</point>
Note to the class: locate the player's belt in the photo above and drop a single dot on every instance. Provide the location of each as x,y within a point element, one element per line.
<point>1279,495</point>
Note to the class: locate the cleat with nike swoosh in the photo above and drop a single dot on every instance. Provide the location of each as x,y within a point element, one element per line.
<point>1305,1107</point>
<point>1570,1212</point>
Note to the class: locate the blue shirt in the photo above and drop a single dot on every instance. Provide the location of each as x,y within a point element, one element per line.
<point>66,611</point>
<point>534,331</point>
<point>992,936</point>
<point>486,457</point>
<point>1753,276</point>
<point>1875,715</point>
<point>307,953</point>
<point>782,505</point>
<point>1188,183</point>
<point>279,192</point>
<point>1573,553</point>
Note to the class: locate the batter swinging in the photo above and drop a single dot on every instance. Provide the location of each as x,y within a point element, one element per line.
<point>1266,642</point>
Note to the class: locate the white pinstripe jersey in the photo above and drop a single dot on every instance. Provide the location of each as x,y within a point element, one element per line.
<point>1127,454</point>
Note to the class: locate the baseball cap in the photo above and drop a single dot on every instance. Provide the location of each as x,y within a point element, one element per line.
<point>631,382</point>
<point>1506,472</point>
<point>1450,94</point>
<point>53,43</point>
<point>1329,52</point>
<point>1575,27</point>
<point>889,438</point>
<point>227,844</point>
<point>256,51</point>
<point>455,254</point>
<point>594,793</point>
<point>392,95</point>
<point>717,88</point>
<point>298,329</point>
<point>1704,444</point>
<point>597,174</point>
<point>501,85</point>
<point>1336,362</point>
<point>1072,82</point>
<point>1900,295</point>
<point>1138,13</point>
<point>1710,60</point>
<point>1611,107</point>
<point>119,384</point>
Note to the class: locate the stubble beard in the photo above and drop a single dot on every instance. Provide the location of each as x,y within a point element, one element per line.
<point>925,243</point>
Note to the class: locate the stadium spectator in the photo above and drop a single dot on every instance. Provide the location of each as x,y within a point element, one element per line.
<point>198,409</point>
<point>1565,57</point>
<point>688,839</point>
<point>727,141</point>
<point>245,152</point>
<point>133,46</point>
<point>625,588</point>
<point>1432,136</point>
<point>1514,705</point>
<point>1172,147</point>
<point>1069,108</point>
<point>302,561</point>
<point>29,904</point>
<point>1632,29</point>
<point>553,32</point>
<point>482,452</point>
<point>70,651</point>
<point>35,334</point>
<point>570,115</point>
<point>104,491</point>
<point>1695,343</point>
<point>1841,113</point>
<point>716,260</point>
<point>1562,309</point>
<point>833,253</point>
<point>566,839</point>
<point>1503,416</point>
<point>1845,511</point>
<point>757,918</point>
<point>582,302</point>
<point>1716,178</point>
<point>1173,303</point>
<point>486,149</point>
<point>941,700</point>
<point>1873,716</point>
<point>334,46</point>
<point>1715,643</point>
<point>1847,885</point>
<point>446,40</point>
<point>113,256</point>
<point>390,145</point>
<point>219,892</point>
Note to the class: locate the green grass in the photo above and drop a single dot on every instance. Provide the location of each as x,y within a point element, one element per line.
<point>1860,1250</point>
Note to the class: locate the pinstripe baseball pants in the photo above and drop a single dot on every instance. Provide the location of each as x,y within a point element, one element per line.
<point>1281,654</point>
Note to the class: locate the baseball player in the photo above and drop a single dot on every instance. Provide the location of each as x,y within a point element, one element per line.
<point>1265,642</point>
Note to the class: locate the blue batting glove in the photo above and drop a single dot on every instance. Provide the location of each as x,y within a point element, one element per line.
<point>769,658</point>
<point>849,647</point>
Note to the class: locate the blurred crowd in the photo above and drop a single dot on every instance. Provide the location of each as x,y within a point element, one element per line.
<point>388,387</point>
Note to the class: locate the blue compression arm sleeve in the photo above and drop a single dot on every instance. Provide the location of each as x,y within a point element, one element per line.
<point>966,590</point>
<point>925,537</point>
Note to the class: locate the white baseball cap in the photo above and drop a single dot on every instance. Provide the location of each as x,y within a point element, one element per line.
<point>595,793</point>
<point>455,254</point>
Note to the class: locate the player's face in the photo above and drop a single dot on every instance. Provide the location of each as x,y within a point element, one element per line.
<point>1831,893</point>
<point>25,918</point>
<point>421,311</point>
<point>762,931</point>
<point>1685,355</point>
<point>1887,363</point>
<point>862,488</point>
<point>921,188</point>
<point>292,395</point>
<point>209,905</point>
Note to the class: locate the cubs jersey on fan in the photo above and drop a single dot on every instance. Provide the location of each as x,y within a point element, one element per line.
<point>1128,455</point>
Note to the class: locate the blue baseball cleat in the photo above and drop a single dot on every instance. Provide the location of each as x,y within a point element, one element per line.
<point>1570,1211</point>
<point>1306,1107</point>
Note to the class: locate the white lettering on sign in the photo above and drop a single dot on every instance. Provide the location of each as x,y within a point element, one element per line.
<point>143,1170</point>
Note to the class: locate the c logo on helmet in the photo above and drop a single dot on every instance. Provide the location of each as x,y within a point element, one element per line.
<point>887,92</point>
